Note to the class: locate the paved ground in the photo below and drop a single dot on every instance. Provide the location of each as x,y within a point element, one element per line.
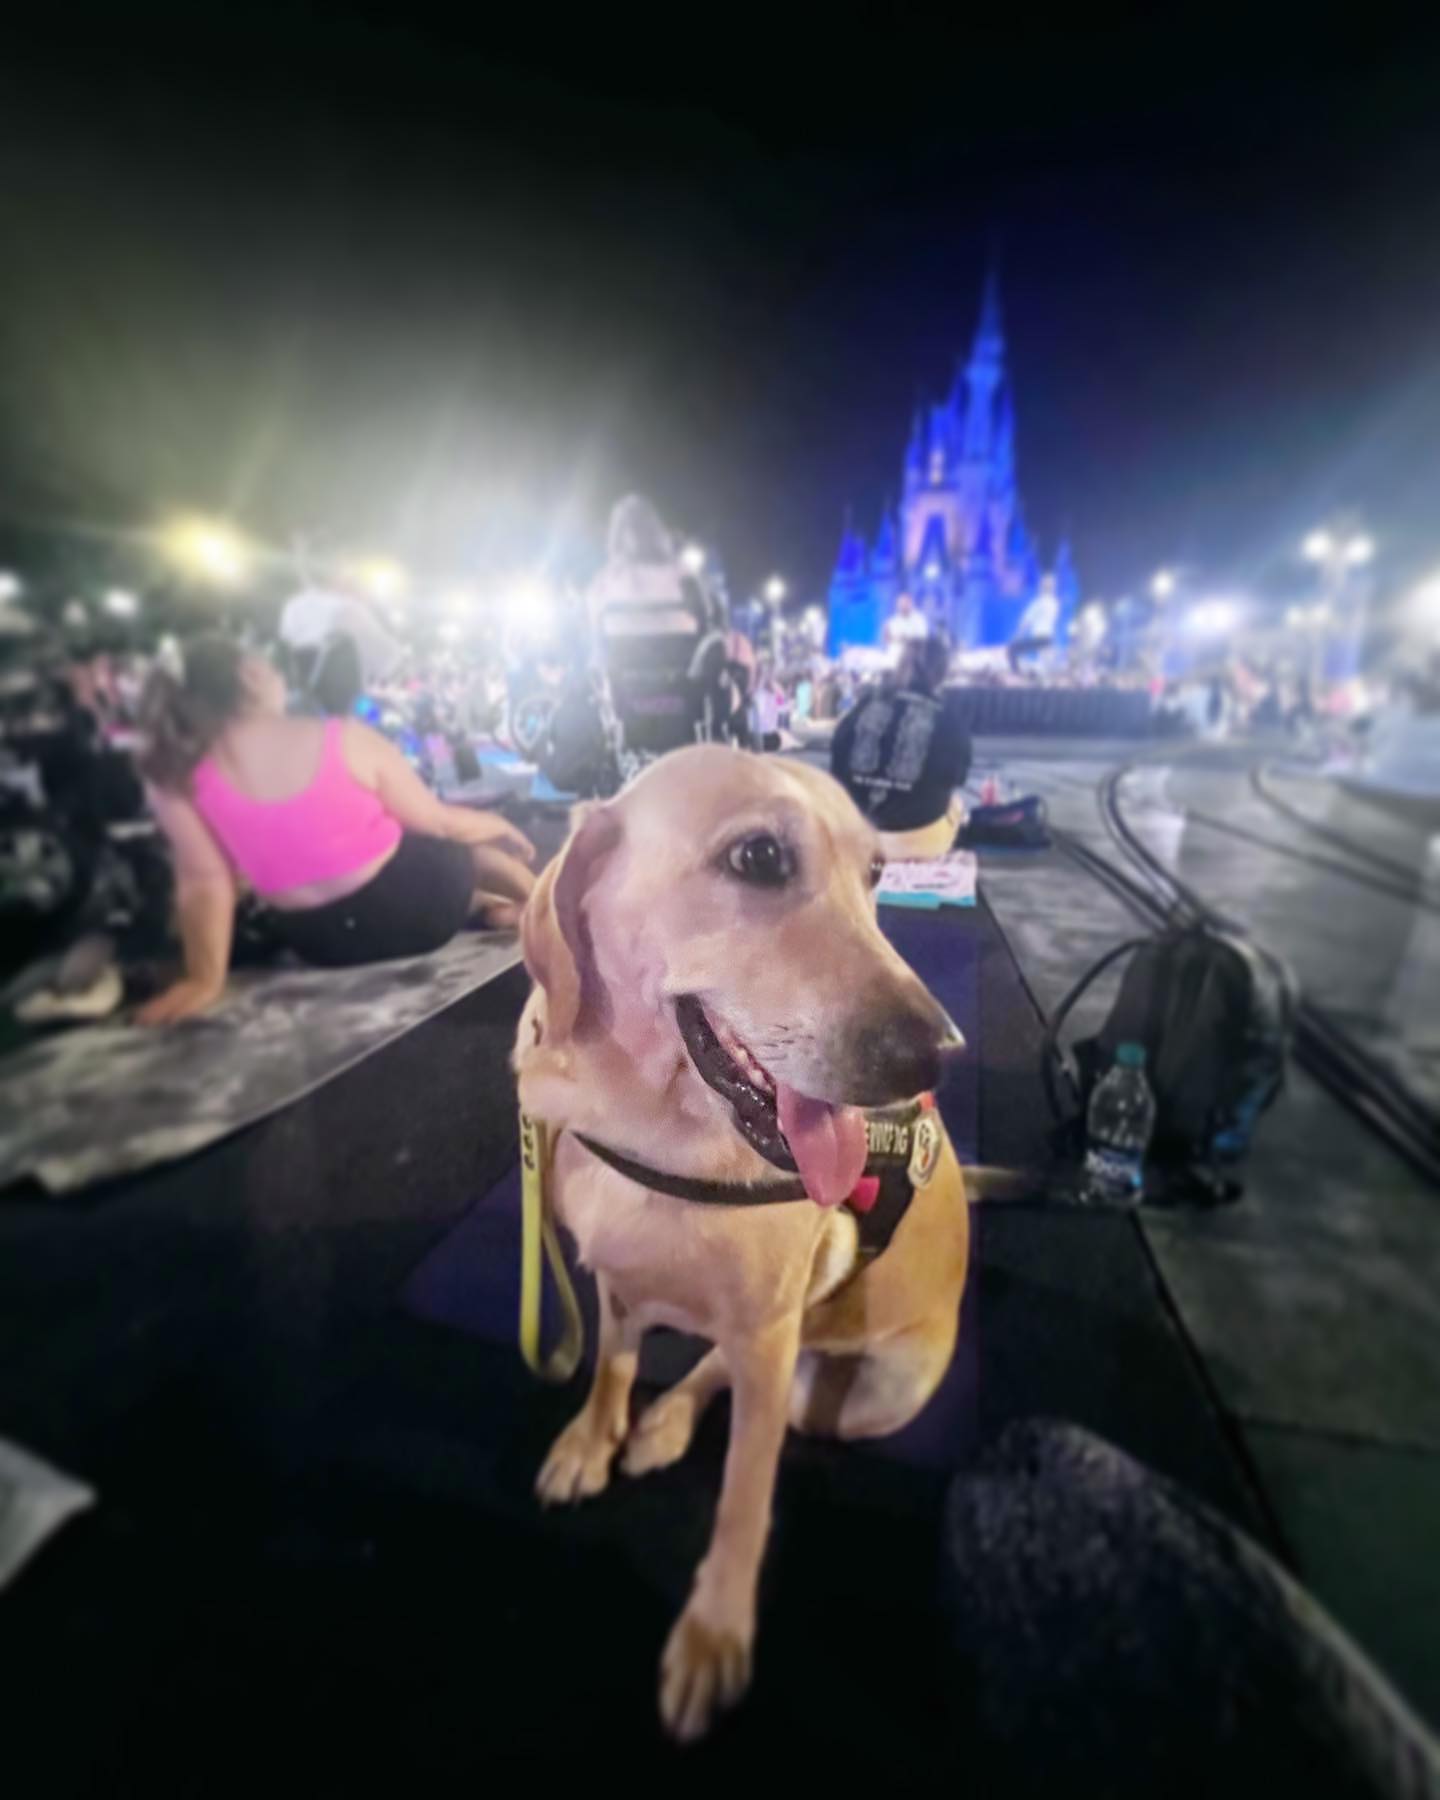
<point>1314,1302</point>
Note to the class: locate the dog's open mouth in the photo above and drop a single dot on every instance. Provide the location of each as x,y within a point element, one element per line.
<point>823,1143</point>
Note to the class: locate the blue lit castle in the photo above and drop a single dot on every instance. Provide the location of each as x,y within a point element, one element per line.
<point>960,545</point>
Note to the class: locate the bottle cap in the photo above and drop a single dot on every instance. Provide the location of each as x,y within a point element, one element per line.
<point>1130,1056</point>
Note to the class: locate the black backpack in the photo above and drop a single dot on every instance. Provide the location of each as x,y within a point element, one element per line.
<point>1214,1015</point>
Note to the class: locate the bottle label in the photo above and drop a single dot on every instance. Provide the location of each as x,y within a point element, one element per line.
<point>1118,1170</point>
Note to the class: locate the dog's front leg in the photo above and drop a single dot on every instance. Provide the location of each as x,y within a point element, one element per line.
<point>579,1461</point>
<point>706,1665</point>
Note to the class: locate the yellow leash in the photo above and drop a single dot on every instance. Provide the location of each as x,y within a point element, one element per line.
<point>538,1232</point>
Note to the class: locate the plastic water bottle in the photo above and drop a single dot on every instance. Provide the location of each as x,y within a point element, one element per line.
<point>1118,1124</point>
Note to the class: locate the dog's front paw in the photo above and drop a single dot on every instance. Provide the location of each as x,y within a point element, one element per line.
<point>661,1435</point>
<point>578,1465</point>
<point>705,1668</point>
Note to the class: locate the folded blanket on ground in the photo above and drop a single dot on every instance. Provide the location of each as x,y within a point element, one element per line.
<point>105,1100</point>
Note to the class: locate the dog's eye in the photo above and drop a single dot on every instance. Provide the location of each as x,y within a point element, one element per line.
<point>877,869</point>
<point>761,859</point>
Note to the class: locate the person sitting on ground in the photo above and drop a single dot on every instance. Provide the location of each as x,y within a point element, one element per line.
<point>324,819</point>
<point>903,751</point>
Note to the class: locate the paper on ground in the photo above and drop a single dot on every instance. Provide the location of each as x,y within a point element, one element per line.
<point>35,1501</point>
<point>942,881</point>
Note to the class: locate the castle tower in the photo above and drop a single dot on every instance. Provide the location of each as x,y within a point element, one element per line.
<point>855,617</point>
<point>960,543</point>
<point>983,377</point>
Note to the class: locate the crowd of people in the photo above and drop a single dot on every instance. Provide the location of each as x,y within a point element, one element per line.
<point>319,773</point>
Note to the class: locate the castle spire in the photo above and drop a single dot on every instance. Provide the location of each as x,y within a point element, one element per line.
<point>984,374</point>
<point>991,329</point>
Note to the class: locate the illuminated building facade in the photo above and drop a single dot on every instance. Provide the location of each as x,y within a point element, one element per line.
<point>959,543</point>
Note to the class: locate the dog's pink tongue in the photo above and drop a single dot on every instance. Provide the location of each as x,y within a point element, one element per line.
<point>827,1142</point>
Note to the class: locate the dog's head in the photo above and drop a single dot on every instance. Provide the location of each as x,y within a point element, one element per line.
<point>715,926</point>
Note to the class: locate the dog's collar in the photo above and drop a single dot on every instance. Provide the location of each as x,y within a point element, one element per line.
<point>693,1187</point>
<point>895,1142</point>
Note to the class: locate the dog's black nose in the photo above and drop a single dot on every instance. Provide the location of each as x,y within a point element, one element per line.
<point>902,1052</point>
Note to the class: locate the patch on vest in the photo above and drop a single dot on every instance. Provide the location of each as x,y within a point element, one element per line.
<point>907,1137</point>
<point>925,1149</point>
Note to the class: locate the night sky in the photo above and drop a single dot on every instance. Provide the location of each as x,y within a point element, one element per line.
<point>426,286</point>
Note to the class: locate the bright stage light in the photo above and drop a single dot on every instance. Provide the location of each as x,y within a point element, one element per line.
<point>692,559</point>
<point>381,577</point>
<point>120,604</point>
<point>1213,617</point>
<point>815,621</point>
<point>932,571</point>
<point>1424,606</point>
<point>11,586</point>
<point>1162,584</point>
<point>206,550</point>
<point>460,602</point>
<point>775,590</point>
<point>1296,617</point>
<point>1318,546</point>
<point>76,614</point>
<point>1359,550</point>
<point>450,632</point>
<point>529,607</point>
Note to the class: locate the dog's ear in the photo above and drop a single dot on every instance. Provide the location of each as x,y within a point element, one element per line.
<point>554,935</point>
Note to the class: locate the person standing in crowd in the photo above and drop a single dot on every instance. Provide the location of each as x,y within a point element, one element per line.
<point>740,674</point>
<point>323,818</point>
<point>906,625</point>
<point>1038,624</point>
<point>902,753</point>
<point>765,705</point>
<point>338,647</point>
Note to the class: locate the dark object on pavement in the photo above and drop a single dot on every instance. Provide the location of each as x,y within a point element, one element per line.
<point>1114,1636</point>
<point>1214,1015</point>
<point>1020,825</point>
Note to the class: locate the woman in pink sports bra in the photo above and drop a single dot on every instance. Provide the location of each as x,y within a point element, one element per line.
<point>323,818</point>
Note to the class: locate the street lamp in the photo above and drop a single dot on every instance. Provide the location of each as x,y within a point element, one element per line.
<point>1337,554</point>
<point>775,591</point>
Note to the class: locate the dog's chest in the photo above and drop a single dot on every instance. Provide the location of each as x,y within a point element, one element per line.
<point>672,1261</point>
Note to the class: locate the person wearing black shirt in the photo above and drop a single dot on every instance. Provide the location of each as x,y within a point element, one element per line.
<point>901,753</point>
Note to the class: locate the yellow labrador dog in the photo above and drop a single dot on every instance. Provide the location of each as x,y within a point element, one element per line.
<point>714,1004</point>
